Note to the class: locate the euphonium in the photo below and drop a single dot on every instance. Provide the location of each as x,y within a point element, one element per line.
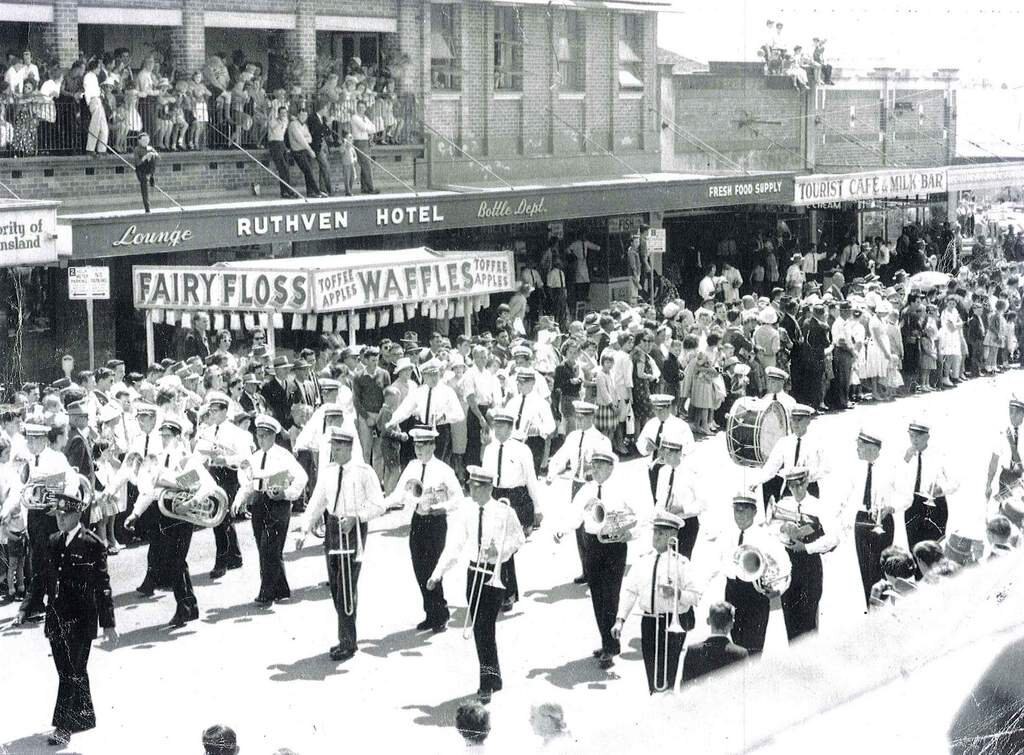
<point>202,512</point>
<point>749,563</point>
<point>38,496</point>
<point>770,577</point>
<point>614,525</point>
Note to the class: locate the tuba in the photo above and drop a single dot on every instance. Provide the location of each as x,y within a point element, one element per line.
<point>613,526</point>
<point>770,577</point>
<point>201,512</point>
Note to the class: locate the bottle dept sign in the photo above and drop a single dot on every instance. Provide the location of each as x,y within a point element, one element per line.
<point>852,187</point>
<point>342,288</point>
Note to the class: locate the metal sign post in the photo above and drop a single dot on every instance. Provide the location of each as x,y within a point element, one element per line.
<point>88,284</point>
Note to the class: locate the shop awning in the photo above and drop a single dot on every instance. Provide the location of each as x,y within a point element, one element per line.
<point>331,293</point>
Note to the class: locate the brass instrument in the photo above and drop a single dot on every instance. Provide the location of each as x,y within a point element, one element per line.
<point>181,504</point>
<point>481,572</point>
<point>346,573</point>
<point>614,526</point>
<point>672,626</point>
<point>47,495</point>
<point>769,576</point>
<point>795,526</point>
<point>211,449</point>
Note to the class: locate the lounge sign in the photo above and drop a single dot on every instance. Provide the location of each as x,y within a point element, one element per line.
<point>852,187</point>
<point>203,288</point>
<point>262,222</point>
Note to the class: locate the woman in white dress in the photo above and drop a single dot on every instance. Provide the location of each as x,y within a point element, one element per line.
<point>950,338</point>
<point>876,353</point>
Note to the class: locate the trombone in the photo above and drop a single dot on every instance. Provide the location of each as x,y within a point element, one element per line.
<point>346,569</point>
<point>482,575</point>
<point>672,626</point>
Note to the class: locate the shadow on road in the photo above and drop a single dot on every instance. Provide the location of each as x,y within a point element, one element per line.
<point>316,549</point>
<point>313,669</point>
<point>144,638</point>
<point>442,714</point>
<point>400,531</point>
<point>574,673</point>
<point>399,642</point>
<point>568,591</point>
<point>635,652</point>
<point>31,744</point>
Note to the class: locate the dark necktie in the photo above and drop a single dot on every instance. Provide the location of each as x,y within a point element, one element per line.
<point>742,533</point>
<point>480,529</point>
<point>917,478</point>
<point>654,583</point>
<point>519,417</point>
<point>426,414</point>
<point>671,483</point>
<point>423,473</point>
<point>775,397</point>
<point>657,437</point>
<point>867,488</point>
<point>579,457</point>
<point>145,447</point>
<point>796,454</point>
<point>37,460</point>
<point>263,465</point>
<point>599,492</point>
<point>501,449</point>
<point>337,495</point>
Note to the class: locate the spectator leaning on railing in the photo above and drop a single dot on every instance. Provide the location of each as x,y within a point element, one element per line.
<point>300,144</point>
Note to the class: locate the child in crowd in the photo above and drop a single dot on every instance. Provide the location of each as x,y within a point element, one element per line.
<point>391,439</point>
<point>929,359</point>
<point>894,377</point>
<point>994,336</point>
<point>164,122</point>
<point>200,112</point>
<point>14,530</point>
<point>348,161</point>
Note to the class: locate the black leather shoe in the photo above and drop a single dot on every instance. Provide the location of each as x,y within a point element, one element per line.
<point>235,564</point>
<point>342,654</point>
<point>145,590</point>
<point>597,653</point>
<point>507,604</point>
<point>177,621</point>
<point>59,738</point>
<point>484,696</point>
<point>605,661</point>
<point>424,625</point>
<point>218,572</point>
<point>262,602</point>
<point>580,580</point>
<point>438,628</point>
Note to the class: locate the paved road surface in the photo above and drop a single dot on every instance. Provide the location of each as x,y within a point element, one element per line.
<point>266,672</point>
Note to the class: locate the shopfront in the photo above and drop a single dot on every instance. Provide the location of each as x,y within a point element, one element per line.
<point>524,220</point>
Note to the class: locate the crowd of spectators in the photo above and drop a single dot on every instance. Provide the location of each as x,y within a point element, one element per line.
<point>102,102</point>
<point>781,60</point>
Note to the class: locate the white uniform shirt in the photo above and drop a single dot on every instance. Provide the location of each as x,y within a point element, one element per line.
<point>651,573</point>
<point>237,444</point>
<point>432,475</point>
<point>576,452</point>
<point>431,406</point>
<point>360,494</point>
<point>784,456</point>
<point>265,464</point>
<point>1002,445</point>
<point>613,495</point>
<point>482,384</point>
<point>757,535</point>
<point>851,496</point>
<point>516,469</point>
<point>466,536</point>
<point>655,430</point>
<point>171,464</point>
<point>532,416</point>
<point>676,491</point>
<point>49,462</point>
<point>313,437</point>
<point>934,476</point>
<point>823,512</point>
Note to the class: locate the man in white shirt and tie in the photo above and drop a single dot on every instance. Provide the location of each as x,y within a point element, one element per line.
<point>270,481</point>
<point>676,492</point>
<point>1005,468</point>
<point>664,422</point>
<point>348,490</point>
<point>923,483</point>
<point>511,463</point>
<point>793,450</point>
<point>435,405</point>
<point>533,421</point>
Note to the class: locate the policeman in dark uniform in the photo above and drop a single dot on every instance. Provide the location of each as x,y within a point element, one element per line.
<point>77,588</point>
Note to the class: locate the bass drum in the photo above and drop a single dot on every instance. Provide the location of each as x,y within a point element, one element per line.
<point>752,431</point>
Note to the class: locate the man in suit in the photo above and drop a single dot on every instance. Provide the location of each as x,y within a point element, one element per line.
<point>275,392</point>
<point>78,449</point>
<point>718,650</point>
<point>77,588</point>
<point>196,343</point>
<point>817,340</point>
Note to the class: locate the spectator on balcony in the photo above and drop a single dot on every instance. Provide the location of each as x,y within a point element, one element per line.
<point>347,105</point>
<point>146,82</point>
<point>818,56</point>
<point>330,90</point>
<point>348,161</point>
<point>124,61</point>
<point>215,74</point>
<point>164,115</point>
<point>49,92</point>
<point>236,66</point>
<point>6,128</point>
<point>355,69</point>
<point>798,69</point>
<point>200,112</point>
<point>300,144</point>
<point>241,121</point>
<point>383,112</point>
<point>259,108</point>
<point>14,76</point>
<point>275,142</point>
<point>98,131</point>
<point>323,139</point>
<point>362,131</point>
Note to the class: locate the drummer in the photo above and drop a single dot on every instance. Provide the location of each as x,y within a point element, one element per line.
<point>793,450</point>
<point>663,423</point>
<point>775,391</point>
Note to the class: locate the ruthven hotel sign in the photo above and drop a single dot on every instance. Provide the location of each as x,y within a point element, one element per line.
<point>879,184</point>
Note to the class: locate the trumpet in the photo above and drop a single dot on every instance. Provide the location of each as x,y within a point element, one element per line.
<point>484,576</point>
<point>346,571</point>
<point>181,504</point>
<point>672,626</point>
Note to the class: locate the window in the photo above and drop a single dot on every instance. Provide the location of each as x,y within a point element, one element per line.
<point>508,50</point>
<point>445,61</point>
<point>631,47</point>
<point>569,36</point>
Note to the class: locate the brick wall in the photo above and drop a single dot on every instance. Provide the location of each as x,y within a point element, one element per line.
<point>189,39</point>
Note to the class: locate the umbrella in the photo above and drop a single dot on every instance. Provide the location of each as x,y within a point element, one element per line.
<point>929,279</point>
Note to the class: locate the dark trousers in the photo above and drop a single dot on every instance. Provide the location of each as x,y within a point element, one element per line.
<point>365,165</point>
<point>426,541</point>
<point>343,577</point>
<point>522,504</point>
<point>443,444</point>
<point>652,475</point>
<point>688,535</point>
<point>580,532</point>
<point>149,523</point>
<point>839,389</point>
<point>277,154</point>
<point>752,611</point>
<point>474,437</point>
<point>536,445</point>
<point>926,522</point>
<point>605,564</point>
<point>323,161</point>
<point>658,644</point>
<point>305,163</point>
<point>869,548</point>
<point>800,601</point>
<point>486,601</point>
<point>40,527</point>
<point>229,555</point>
<point>177,538</point>
<point>73,710</point>
<point>270,520</point>
<point>145,176</point>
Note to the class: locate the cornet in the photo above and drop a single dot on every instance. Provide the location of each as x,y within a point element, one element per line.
<point>483,575</point>
<point>346,571</point>
<point>672,626</point>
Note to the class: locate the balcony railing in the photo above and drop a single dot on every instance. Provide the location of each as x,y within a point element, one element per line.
<point>41,127</point>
